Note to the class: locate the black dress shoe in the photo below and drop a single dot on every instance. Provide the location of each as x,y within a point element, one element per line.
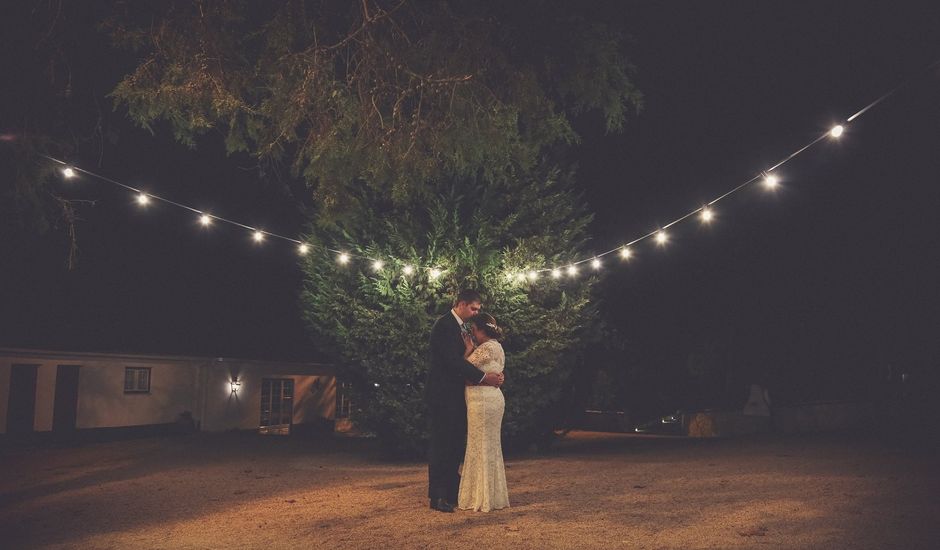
<point>441,505</point>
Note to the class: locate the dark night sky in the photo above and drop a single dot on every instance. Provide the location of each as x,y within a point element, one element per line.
<point>835,272</point>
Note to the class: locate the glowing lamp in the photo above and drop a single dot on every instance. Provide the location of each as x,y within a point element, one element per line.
<point>68,173</point>
<point>303,249</point>
<point>771,181</point>
<point>572,270</point>
<point>205,220</point>
<point>235,384</point>
<point>661,237</point>
<point>143,199</point>
<point>434,273</point>
<point>596,263</point>
<point>408,270</point>
<point>343,258</point>
<point>707,215</point>
<point>836,130</point>
<point>258,236</point>
<point>625,253</point>
<point>378,265</point>
<point>556,273</point>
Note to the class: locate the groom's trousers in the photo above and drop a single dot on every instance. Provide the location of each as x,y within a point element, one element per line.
<point>447,447</point>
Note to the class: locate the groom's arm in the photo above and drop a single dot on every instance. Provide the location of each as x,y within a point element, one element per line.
<point>450,356</point>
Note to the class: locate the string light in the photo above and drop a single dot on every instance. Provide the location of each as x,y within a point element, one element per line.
<point>707,215</point>
<point>303,249</point>
<point>378,265</point>
<point>769,179</point>
<point>520,277</point>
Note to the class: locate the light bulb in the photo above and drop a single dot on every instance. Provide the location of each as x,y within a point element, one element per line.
<point>435,273</point>
<point>408,270</point>
<point>533,275</point>
<point>625,253</point>
<point>258,236</point>
<point>303,249</point>
<point>596,263</point>
<point>771,181</point>
<point>343,258</point>
<point>836,130</point>
<point>556,273</point>
<point>661,237</point>
<point>68,172</point>
<point>707,214</point>
<point>378,265</point>
<point>572,270</point>
<point>205,220</point>
<point>143,199</point>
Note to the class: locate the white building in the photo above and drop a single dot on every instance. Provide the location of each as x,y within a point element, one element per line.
<point>65,392</point>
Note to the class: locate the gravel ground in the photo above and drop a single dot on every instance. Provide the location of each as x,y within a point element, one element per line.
<point>592,491</point>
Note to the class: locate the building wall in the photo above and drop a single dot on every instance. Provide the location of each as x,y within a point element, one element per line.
<point>199,385</point>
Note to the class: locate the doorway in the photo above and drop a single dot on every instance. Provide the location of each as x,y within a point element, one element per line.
<point>21,408</point>
<point>277,405</point>
<point>65,413</point>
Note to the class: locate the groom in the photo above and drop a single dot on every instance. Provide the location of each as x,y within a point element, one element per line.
<point>444,392</point>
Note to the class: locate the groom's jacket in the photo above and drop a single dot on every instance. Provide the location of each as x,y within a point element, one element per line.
<point>449,370</point>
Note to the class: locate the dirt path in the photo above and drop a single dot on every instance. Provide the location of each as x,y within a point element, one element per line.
<point>593,491</point>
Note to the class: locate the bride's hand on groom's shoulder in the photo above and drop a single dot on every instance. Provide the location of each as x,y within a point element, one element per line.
<point>467,343</point>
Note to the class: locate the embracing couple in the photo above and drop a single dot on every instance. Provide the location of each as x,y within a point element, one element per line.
<point>466,409</point>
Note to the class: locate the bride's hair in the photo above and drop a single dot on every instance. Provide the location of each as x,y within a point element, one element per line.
<point>486,323</point>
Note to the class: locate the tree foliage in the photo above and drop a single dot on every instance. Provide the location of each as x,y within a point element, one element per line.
<point>376,323</point>
<point>391,93</point>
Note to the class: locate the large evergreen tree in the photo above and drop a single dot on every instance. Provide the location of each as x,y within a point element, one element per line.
<point>490,237</point>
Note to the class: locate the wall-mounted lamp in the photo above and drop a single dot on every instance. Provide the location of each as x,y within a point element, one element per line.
<point>235,384</point>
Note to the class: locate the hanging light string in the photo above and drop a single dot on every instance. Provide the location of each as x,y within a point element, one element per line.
<point>705,212</point>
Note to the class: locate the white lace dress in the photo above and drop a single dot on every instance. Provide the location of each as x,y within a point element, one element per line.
<point>483,481</point>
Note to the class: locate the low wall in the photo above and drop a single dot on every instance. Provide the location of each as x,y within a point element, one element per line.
<point>797,418</point>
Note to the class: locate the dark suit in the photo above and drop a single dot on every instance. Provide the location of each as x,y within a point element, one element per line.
<point>444,393</point>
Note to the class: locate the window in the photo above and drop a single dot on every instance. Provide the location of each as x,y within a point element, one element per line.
<point>343,401</point>
<point>136,380</point>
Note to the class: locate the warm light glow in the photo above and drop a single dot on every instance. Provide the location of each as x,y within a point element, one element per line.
<point>408,270</point>
<point>707,214</point>
<point>556,273</point>
<point>771,181</point>
<point>142,199</point>
<point>435,273</point>
<point>303,249</point>
<point>378,265</point>
<point>661,237</point>
<point>343,258</point>
<point>68,172</point>
<point>205,220</point>
<point>572,270</point>
<point>625,253</point>
<point>533,275</point>
<point>596,263</point>
<point>836,130</point>
<point>258,236</point>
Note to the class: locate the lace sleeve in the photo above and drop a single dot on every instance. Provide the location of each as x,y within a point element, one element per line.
<point>480,356</point>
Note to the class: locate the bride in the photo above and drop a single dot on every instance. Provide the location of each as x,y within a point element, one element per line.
<point>483,482</point>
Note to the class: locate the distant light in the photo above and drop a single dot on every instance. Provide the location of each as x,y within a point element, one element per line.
<point>434,273</point>
<point>303,249</point>
<point>376,384</point>
<point>596,263</point>
<point>771,181</point>
<point>258,236</point>
<point>662,237</point>
<point>556,273</point>
<point>378,265</point>
<point>205,220</point>
<point>68,172</point>
<point>626,253</point>
<point>143,199</point>
<point>343,258</point>
<point>572,270</point>
<point>836,130</point>
<point>408,270</point>
<point>707,214</point>
<point>533,275</point>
